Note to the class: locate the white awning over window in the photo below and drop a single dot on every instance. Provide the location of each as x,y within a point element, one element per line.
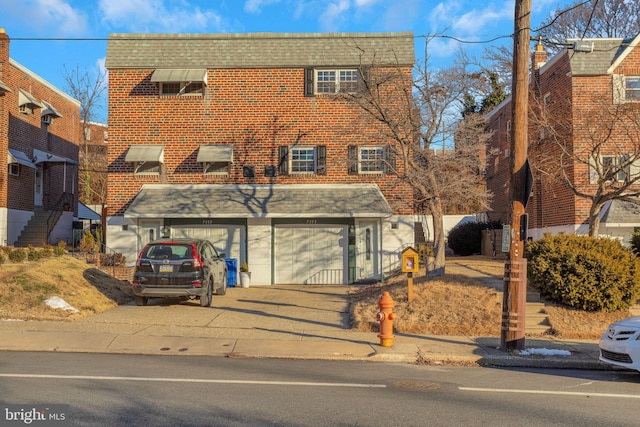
<point>49,110</point>
<point>16,156</point>
<point>179,75</point>
<point>44,157</point>
<point>145,153</point>
<point>27,100</point>
<point>210,153</point>
<point>4,87</point>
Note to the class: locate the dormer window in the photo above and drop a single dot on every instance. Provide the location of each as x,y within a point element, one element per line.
<point>147,158</point>
<point>49,113</point>
<point>180,82</point>
<point>27,102</point>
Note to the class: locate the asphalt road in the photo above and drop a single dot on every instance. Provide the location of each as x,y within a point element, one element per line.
<point>102,389</point>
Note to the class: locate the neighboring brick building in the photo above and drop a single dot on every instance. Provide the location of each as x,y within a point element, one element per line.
<point>585,97</point>
<point>241,139</point>
<point>38,142</point>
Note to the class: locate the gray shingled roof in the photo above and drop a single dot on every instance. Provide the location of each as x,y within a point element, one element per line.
<point>258,50</point>
<point>621,212</point>
<point>597,62</point>
<point>259,201</point>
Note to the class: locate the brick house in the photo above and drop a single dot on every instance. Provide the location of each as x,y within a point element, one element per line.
<point>38,143</point>
<point>574,98</point>
<point>242,140</point>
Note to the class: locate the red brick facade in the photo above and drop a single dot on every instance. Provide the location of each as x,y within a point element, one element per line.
<point>255,110</point>
<point>567,102</point>
<point>28,132</point>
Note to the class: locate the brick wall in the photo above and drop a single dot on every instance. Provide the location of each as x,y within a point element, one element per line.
<point>256,110</point>
<point>26,132</point>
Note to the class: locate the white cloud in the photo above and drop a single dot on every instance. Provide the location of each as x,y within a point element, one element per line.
<point>255,6</point>
<point>334,14</point>
<point>155,16</point>
<point>46,16</point>
<point>478,22</point>
<point>365,3</point>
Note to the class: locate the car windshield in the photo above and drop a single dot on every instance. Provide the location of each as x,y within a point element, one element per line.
<point>168,252</point>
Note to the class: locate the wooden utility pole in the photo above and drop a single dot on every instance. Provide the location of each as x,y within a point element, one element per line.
<point>515,270</point>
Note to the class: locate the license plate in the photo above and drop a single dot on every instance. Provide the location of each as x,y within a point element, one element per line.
<point>166,269</point>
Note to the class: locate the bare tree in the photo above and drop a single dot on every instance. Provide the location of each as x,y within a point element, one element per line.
<point>595,153</point>
<point>89,91</point>
<point>418,113</point>
<point>591,19</point>
<point>581,19</point>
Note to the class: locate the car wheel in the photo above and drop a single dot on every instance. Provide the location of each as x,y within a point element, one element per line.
<point>141,300</point>
<point>223,289</point>
<point>205,300</point>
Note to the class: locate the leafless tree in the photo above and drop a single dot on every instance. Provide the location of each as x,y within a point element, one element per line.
<point>595,153</point>
<point>421,113</point>
<point>89,91</point>
<point>581,19</point>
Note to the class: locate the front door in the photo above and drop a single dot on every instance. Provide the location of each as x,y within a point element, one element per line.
<point>366,249</point>
<point>149,230</point>
<point>37,192</point>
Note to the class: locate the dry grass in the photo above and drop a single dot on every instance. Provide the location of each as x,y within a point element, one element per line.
<point>25,286</point>
<point>457,305</point>
<point>448,305</point>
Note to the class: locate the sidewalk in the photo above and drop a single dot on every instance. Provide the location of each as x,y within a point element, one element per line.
<point>297,321</point>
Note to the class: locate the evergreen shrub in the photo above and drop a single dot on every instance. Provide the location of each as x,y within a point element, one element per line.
<point>586,273</point>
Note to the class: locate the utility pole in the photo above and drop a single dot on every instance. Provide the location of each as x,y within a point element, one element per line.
<point>515,270</point>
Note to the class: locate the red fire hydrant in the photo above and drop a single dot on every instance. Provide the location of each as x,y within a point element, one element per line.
<point>385,317</point>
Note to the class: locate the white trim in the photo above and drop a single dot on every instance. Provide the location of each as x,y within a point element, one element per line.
<point>43,81</point>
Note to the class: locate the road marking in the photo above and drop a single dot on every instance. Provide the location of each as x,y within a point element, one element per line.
<point>190,380</point>
<point>563,393</point>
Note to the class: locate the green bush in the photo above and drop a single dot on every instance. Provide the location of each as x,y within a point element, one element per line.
<point>466,238</point>
<point>34,254</point>
<point>3,259</point>
<point>17,255</point>
<point>584,272</point>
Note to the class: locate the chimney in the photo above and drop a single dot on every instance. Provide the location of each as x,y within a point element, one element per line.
<point>539,57</point>
<point>4,47</point>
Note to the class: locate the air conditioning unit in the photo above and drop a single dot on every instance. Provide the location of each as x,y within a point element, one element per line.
<point>583,46</point>
<point>47,119</point>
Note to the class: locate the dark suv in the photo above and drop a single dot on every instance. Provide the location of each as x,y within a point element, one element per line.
<point>179,268</point>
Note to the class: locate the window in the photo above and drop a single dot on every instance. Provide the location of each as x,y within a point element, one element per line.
<point>302,159</point>
<point>87,133</point>
<point>294,160</point>
<point>181,88</point>
<point>632,88</point>
<point>546,100</point>
<point>371,160</point>
<point>14,169</point>
<point>613,168</point>
<point>216,159</point>
<point>336,81</point>
<point>180,81</point>
<point>626,88</point>
<point>146,158</point>
<point>248,171</point>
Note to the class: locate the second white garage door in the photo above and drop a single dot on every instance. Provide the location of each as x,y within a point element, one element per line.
<point>311,254</point>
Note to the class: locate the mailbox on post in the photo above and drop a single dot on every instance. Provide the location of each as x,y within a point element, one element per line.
<point>409,260</point>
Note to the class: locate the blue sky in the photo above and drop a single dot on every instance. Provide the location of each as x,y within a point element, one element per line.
<point>472,21</point>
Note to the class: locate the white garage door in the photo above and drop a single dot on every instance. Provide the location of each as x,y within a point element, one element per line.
<point>227,239</point>
<point>311,254</point>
